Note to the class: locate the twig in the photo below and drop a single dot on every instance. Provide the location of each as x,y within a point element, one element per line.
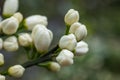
<point>46,57</point>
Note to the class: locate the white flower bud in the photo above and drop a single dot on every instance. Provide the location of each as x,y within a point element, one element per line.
<point>51,34</point>
<point>81,48</point>
<point>10,7</point>
<point>42,38</point>
<point>54,66</point>
<point>10,25</point>
<point>74,27</point>
<point>2,77</point>
<point>31,21</point>
<point>25,39</point>
<point>1,59</point>
<point>81,33</point>
<point>1,43</point>
<point>18,16</point>
<point>65,57</point>
<point>16,71</point>
<point>79,30</point>
<point>66,53</point>
<point>71,17</point>
<point>68,42</point>
<point>11,44</point>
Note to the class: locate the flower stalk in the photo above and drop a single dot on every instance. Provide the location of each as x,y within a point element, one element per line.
<point>67,29</point>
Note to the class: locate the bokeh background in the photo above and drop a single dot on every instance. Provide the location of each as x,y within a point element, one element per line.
<point>102,18</point>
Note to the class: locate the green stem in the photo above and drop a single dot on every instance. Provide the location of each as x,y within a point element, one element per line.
<point>51,51</point>
<point>36,55</point>
<point>36,61</point>
<point>33,52</point>
<point>48,56</point>
<point>27,49</point>
<point>4,73</point>
<point>67,29</point>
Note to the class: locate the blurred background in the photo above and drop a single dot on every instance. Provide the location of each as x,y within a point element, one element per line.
<point>102,18</point>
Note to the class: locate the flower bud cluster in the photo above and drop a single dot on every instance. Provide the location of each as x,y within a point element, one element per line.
<point>40,36</point>
<point>32,32</point>
<point>37,37</point>
<point>10,25</point>
<point>71,43</point>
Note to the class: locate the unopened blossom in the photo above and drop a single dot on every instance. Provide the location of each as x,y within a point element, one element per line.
<point>1,59</point>
<point>42,38</point>
<point>2,77</point>
<point>81,48</point>
<point>11,44</point>
<point>68,42</point>
<point>16,71</point>
<point>10,25</point>
<point>33,20</point>
<point>81,33</point>
<point>79,30</point>
<point>10,7</point>
<point>18,16</point>
<point>71,17</point>
<point>74,27</point>
<point>25,39</point>
<point>54,66</point>
<point>65,57</point>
